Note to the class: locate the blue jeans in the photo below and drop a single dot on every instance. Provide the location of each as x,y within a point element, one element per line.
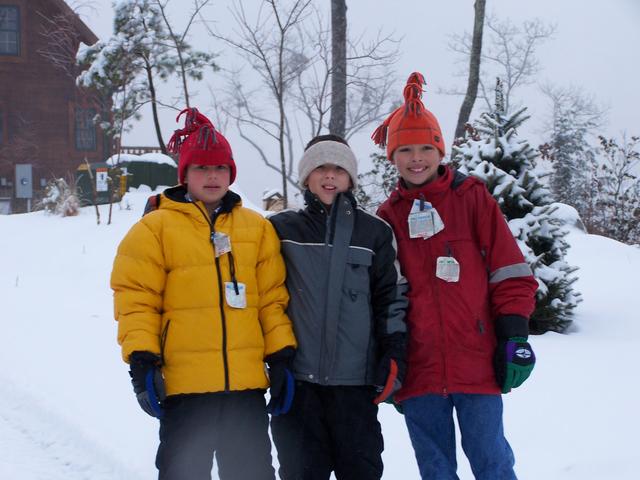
<point>430,422</point>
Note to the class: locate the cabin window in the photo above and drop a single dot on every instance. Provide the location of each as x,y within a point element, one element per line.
<point>85,129</point>
<point>9,30</point>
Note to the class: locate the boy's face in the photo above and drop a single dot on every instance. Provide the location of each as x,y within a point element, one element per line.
<point>417,164</point>
<point>327,181</point>
<point>208,183</point>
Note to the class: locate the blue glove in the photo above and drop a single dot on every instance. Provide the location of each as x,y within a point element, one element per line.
<point>282,382</point>
<point>514,361</point>
<point>147,382</point>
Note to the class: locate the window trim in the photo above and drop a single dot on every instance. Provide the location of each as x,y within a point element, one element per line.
<point>18,31</point>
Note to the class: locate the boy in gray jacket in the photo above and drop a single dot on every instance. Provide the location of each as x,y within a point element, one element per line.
<point>347,307</point>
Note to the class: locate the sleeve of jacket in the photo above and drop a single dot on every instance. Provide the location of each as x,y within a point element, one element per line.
<point>512,286</point>
<point>138,279</point>
<point>388,286</point>
<point>274,298</point>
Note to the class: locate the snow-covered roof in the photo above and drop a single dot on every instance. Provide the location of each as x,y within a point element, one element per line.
<point>145,157</point>
<point>271,193</point>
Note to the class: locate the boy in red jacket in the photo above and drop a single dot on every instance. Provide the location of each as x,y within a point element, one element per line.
<point>471,294</point>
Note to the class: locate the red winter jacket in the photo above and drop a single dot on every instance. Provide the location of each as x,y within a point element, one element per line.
<point>452,325</point>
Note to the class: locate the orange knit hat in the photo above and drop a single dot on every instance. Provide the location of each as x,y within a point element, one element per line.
<point>411,123</point>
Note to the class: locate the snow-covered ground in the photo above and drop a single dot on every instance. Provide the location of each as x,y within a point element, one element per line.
<point>67,410</point>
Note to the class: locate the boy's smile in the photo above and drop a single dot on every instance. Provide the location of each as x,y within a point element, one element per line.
<point>417,164</point>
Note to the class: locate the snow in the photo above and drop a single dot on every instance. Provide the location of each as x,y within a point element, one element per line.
<point>158,158</point>
<point>67,409</point>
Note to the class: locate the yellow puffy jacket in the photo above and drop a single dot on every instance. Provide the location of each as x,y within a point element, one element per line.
<point>169,295</point>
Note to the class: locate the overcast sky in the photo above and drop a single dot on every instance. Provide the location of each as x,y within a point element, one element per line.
<point>595,48</point>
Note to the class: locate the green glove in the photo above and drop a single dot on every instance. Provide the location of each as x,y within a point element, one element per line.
<point>514,360</point>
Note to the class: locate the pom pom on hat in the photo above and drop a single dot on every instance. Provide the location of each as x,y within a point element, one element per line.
<point>411,123</point>
<point>198,143</point>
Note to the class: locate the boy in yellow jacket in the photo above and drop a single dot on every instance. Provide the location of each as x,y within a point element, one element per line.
<point>200,303</point>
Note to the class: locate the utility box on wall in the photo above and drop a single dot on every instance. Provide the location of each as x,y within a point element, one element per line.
<point>24,183</point>
<point>24,180</point>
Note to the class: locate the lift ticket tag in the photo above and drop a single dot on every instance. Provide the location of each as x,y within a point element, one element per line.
<point>448,269</point>
<point>424,223</point>
<point>222,243</point>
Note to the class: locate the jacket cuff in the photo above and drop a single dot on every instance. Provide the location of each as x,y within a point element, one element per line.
<point>144,358</point>
<point>284,355</point>
<point>508,326</point>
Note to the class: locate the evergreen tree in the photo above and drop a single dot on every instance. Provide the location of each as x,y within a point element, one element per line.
<point>575,117</point>
<point>616,187</point>
<point>495,154</point>
<point>128,66</point>
<point>375,185</point>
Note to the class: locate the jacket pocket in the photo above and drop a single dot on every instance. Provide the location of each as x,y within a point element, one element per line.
<point>356,275</point>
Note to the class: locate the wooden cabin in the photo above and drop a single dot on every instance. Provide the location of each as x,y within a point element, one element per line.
<point>45,120</point>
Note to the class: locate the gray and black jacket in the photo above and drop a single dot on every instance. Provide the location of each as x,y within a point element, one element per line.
<point>347,293</point>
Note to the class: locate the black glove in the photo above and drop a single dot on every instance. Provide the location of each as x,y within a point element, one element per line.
<point>281,380</point>
<point>391,367</point>
<point>147,382</point>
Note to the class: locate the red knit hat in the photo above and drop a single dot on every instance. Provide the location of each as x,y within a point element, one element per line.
<point>198,143</point>
<point>411,123</point>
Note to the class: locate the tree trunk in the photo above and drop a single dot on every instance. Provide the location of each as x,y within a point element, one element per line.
<point>154,109</point>
<point>338,67</point>
<point>474,69</point>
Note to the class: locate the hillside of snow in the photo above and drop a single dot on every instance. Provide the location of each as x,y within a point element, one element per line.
<point>67,410</point>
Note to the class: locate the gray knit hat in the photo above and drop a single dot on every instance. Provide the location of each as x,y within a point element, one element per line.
<point>328,151</point>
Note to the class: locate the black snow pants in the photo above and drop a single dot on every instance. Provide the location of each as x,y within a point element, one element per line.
<point>329,428</point>
<point>233,425</point>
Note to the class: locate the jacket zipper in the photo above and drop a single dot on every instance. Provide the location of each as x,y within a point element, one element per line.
<point>436,291</point>
<point>225,360</point>
<point>323,333</point>
<point>223,319</point>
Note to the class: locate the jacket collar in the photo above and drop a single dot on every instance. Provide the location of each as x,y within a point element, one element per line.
<point>314,204</point>
<point>178,194</point>
<point>431,191</point>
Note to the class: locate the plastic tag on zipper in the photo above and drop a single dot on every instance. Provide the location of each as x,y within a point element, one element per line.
<point>235,299</point>
<point>221,243</point>
<point>425,222</point>
<point>448,269</point>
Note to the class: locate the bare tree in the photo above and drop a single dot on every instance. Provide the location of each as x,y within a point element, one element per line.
<point>368,81</point>
<point>288,48</point>
<point>268,45</point>
<point>508,52</point>
<point>338,67</point>
<point>474,69</point>
<point>61,41</point>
